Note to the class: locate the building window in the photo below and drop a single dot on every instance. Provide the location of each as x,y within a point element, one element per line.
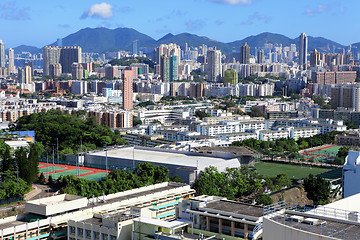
<point>87,233</point>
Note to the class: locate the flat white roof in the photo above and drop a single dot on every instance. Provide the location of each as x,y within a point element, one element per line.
<point>162,157</point>
<point>350,204</point>
<point>165,224</point>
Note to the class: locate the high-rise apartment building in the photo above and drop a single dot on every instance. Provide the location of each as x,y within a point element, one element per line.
<point>346,96</point>
<point>315,58</point>
<point>174,68</point>
<point>127,89</point>
<point>333,77</point>
<point>2,55</point>
<point>214,65</point>
<point>68,56</point>
<point>303,47</point>
<point>260,56</point>
<point>51,55</point>
<point>28,74</point>
<point>136,47</point>
<point>171,49</point>
<point>245,54</point>
<point>77,71</point>
<point>231,76</point>
<point>11,60</point>
<point>165,68</point>
<point>21,75</point>
<point>55,70</point>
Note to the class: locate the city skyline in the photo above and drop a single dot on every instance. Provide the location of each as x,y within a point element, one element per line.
<point>42,22</point>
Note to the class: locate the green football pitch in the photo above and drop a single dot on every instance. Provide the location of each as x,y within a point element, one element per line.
<point>268,169</point>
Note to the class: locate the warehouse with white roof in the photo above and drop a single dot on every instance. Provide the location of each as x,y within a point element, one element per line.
<point>187,165</point>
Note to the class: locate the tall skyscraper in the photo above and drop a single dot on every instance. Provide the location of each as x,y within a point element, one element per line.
<point>127,89</point>
<point>314,58</point>
<point>77,71</point>
<point>214,65</point>
<point>11,60</point>
<point>55,70</point>
<point>260,56</point>
<point>31,65</point>
<point>245,54</point>
<point>174,68</point>
<point>136,47</point>
<point>165,68</point>
<point>68,56</point>
<point>51,55</point>
<point>303,47</point>
<point>2,54</point>
<point>28,74</point>
<point>21,75</point>
<point>168,50</point>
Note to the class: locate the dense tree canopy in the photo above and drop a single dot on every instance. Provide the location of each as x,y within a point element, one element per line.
<point>117,181</point>
<point>201,114</point>
<point>11,187</point>
<point>69,130</point>
<point>230,184</point>
<point>127,61</point>
<point>263,199</point>
<point>288,145</point>
<point>318,189</point>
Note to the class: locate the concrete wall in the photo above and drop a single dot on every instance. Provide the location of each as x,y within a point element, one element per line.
<point>56,204</point>
<point>274,230</point>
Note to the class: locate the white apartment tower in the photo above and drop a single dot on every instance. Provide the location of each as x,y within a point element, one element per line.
<point>303,47</point>
<point>11,60</point>
<point>51,55</point>
<point>2,55</point>
<point>214,65</point>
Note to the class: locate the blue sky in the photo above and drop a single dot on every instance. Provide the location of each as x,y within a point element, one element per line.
<point>40,22</point>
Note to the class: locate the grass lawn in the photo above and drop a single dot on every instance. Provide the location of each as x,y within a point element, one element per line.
<point>268,169</point>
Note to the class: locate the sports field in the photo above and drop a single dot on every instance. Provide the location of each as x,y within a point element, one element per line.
<point>321,154</point>
<point>296,172</point>
<point>58,170</point>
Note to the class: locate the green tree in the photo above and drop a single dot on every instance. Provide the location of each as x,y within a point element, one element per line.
<point>317,189</point>
<point>54,126</point>
<point>144,104</point>
<point>201,114</point>
<point>341,155</point>
<point>256,112</point>
<point>351,125</point>
<point>7,160</point>
<point>263,199</point>
<point>176,179</point>
<point>136,122</point>
<point>230,184</point>
<point>11,186</point>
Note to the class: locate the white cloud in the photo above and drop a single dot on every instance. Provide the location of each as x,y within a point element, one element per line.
<point>101,10</point>
<point>331,7</point>
<point>233,2</point>
<point>10,11</point>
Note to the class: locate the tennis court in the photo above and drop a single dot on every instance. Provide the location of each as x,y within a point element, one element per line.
<point>58,170</point>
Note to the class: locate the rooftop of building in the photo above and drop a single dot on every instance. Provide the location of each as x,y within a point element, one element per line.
<point>236,207</point>
<point>339,219</point>
<point>237,134</point>
<point>171,157</point>
<point>237,151</point>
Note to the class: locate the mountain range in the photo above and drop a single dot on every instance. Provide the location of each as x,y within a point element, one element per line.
<point>106,40</point>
